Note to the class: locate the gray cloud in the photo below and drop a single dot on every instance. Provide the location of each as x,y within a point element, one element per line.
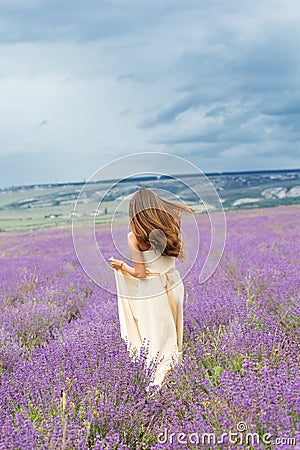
<point>42,123</point>
<point>170,114</point>
<point>213,82</point>
<point>91,20</point>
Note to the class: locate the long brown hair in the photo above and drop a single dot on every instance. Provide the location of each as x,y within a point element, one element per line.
<point>156,221</point>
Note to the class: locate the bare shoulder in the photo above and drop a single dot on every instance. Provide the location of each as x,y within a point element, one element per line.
<point>133,240</point>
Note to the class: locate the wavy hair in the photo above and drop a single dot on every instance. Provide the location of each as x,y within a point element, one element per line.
<point>155,221</point>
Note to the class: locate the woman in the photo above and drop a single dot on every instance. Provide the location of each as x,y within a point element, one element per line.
<point>150,294</point>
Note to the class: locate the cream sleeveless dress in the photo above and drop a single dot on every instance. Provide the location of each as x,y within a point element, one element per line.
<point>151,312</point>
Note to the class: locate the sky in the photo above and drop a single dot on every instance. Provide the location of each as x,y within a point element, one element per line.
<point>83,83</point>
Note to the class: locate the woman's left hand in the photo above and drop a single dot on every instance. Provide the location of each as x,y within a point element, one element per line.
<point>115,263</point>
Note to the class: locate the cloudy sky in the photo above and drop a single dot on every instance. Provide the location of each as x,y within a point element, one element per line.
<point>85,82</point>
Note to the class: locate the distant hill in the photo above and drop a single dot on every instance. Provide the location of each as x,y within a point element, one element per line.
<point>30,207</point>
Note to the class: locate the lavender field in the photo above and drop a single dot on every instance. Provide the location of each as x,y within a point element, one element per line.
<point>67,381</point>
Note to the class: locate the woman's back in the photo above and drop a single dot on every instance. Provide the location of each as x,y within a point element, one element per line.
<point>155,262</point>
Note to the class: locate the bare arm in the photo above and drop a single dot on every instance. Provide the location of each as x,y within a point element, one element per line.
<point>138,270</point>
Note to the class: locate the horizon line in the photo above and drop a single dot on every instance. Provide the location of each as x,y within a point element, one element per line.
<point>146,178</point>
